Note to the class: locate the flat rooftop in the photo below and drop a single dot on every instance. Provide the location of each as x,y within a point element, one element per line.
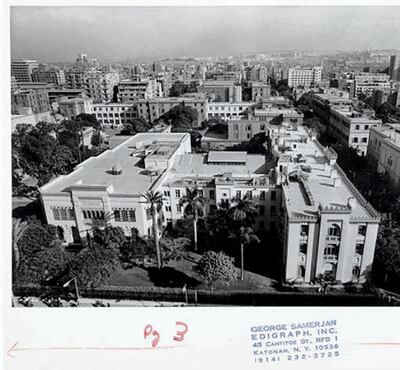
<point>392,132</point>
<point>197,164</point>
<point>320,184</point>
<point>129,156</point>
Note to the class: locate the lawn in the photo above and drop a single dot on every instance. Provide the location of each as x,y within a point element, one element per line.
<point>180,273</point>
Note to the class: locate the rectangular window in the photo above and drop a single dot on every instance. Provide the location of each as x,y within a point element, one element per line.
<point>238,193</point>
<point>360,248</point>
<point>212,194</point>
<point>273,210</point>
<point>303,248</point>
<point>262,210</point>
<point>262,195</point>
<point>166,193</point>
<point>63,213</point>
<point>273,195</point>
<point>201,192</point>
<point>362,229</point>
<point>177,193</point>
<point>178,208</point>
<point>168,208</point>
<point>249,194</point>
<point>148,213</point>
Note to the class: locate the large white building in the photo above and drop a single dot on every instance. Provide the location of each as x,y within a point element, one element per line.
<point>384,151</point>
<point>366,83</point>
<point>129,90</point>
<point>327,225</point>
<point>304,76</point>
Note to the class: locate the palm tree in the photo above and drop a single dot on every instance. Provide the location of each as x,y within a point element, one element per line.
<point>18,229</point>
<point>243,209</point>
<point>155,200</point>
<point>194,206</point>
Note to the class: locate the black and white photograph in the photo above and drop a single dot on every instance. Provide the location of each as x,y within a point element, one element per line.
<point>204,156</point>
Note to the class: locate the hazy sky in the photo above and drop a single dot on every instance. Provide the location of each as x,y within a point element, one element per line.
<point>118,33</point>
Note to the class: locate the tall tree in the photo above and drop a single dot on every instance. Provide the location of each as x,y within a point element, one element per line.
<point>18,229</point>
<point>194,205</point>
<point>155,200</point>
<point>243,211</point>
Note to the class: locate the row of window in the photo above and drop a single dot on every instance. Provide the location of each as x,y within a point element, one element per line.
<point>363,140</point>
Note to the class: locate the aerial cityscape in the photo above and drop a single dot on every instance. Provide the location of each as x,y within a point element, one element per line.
<point>207,163</point>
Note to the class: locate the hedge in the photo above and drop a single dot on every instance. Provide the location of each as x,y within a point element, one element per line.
<point>217,297</point>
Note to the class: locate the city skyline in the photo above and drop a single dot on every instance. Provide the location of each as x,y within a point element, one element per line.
<point>58,34</point>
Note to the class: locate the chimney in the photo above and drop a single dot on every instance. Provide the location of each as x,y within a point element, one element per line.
<point>351,202</point>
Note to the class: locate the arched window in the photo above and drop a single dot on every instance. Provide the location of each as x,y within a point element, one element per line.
<point>334,230</point>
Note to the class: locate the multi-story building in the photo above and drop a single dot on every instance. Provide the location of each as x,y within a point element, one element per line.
<point>56,95</point>
<point>304,76</point>
<point>322,103</point>
<point>152,109</point>
<point>384,151</point>
<point>131,91</point>
<point>326,224</point>
<point>98,85</point>
<point>115,114</point>
<point>222,91</point>
<point>106,190</point>
<point>35,99</point>
<point>351,126</point>
<point>366,83</point>
<point>22,69</point>
<point>259,91</point>
<point>227,110</point>
<point>49,75</point>
<point>275,109</point>
<point>71,108</point>
<point>394,68</point>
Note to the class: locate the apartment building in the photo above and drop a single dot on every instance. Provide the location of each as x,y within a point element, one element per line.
<point>49,75</point>
<point>259,91</point>
<point>130,91</point>
<point>222,91</point>
<point>326,224</point>
<point>35,99</point>
<point>322,103</point>
<point>304,76</point>
<point>22,69</point>
<point>366,83</point>
<point>384,151</point>
<point>227,110</point>
<point>71,108</point>
<point>351,126</point>
<point>97,85</point>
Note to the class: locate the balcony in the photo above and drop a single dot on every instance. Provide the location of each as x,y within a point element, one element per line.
<point>302,257</point>
<point>333,239</point>
<point>330,258</point>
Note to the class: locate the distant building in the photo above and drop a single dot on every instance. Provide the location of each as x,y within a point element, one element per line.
<point>259,91</point>
<point>351,126</point>
<point>35,99</point>
<point>366,83</point>
<point>394,68</point>
<point>304,76</point>
<point>71,108</point>
<point>49,75</point>
<point>130,91</point>
<point>227,110</point>
<point>222,91</point>
<point>22,69</point>
<point>384,152</point>
<point>27,117</point>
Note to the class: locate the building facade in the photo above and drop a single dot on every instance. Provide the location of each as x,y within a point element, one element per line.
<point>304,76</point>
<point>71,108</point>
<point>384,152</point>
<point>22,69</point>
<point>394,68</point>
